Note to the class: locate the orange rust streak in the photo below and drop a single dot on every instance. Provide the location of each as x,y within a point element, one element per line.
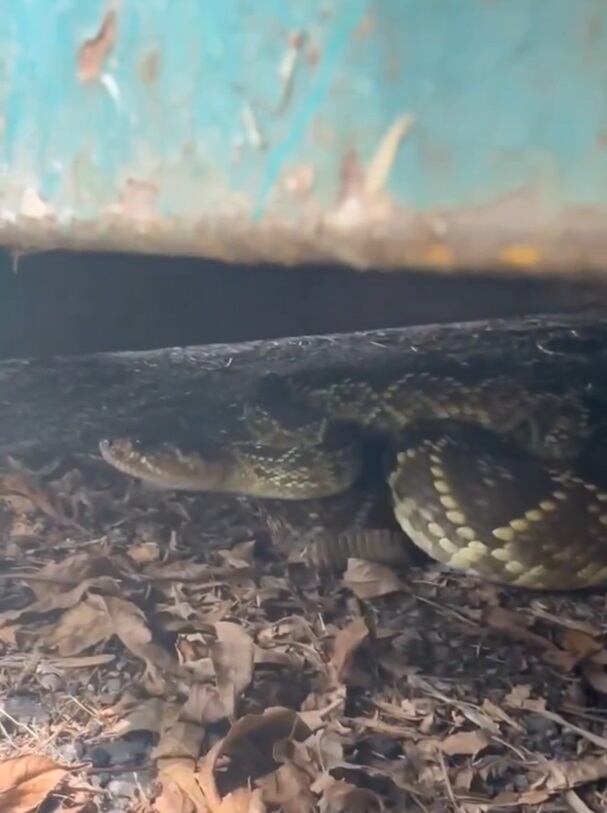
<point>524,256</point>
<point>439,254</point>
<point>94,52</point>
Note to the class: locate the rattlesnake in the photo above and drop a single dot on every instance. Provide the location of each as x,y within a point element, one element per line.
<point>485,474</point>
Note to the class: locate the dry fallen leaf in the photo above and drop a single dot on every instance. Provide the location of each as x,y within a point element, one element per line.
<point>499,715</point>
<point>580,644</point>
<point>71,571</point>
<point>203,705</point>
<point>144,552</point>
<point>345,645</point>
<point>339,796</point>
<point>60,600</point>
<point>467,743</point>
<point>288,789</point>
<point>97,619</point>
<point>511,799</point>
<point>26,486</point>
<point>81,627</point>
<point>242,800</point>
<point>172,798</point>
<point>179,740</point>
<point>8,636</point>
<point>251,740</point>
<point>596,675</point>
<point>370,580</point>
<point>233,656</point>
<point>148,715</point>
<point>25,782</point>
<point>181,773</point>
<point>519,697</point>
<point>570,773</point>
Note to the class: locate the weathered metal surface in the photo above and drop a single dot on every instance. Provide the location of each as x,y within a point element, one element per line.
<point>436,133</point>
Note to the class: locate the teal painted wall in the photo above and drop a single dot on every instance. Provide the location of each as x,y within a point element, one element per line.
<point>192,114</point>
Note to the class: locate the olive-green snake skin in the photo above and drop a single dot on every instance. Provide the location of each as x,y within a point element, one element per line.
<point>483,474</point>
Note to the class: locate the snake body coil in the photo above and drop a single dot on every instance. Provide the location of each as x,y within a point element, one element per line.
<point>484,476</point>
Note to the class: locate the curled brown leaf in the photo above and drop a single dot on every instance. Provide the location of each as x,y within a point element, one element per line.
<point>26,781</point>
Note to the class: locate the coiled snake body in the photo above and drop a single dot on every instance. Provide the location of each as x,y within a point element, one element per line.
<point>483,476</point>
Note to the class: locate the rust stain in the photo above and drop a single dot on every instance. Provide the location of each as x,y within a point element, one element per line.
<point>137,201</point>
<point>95,51</point>
<point>439,254</point>
<point>313,54</point>
<point>366,27</point>
<point>149,67</point>
<point>362,239</point>
<point>351,175</point>
<point>523,256</point>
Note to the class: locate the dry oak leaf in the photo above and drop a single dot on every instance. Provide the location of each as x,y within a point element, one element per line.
<point>256,735</point>
<point>515,626</point>
<point>70,571</point>
<point>467,743</point>
<point>27,486</point>
<point>581,644</point>
<point>570,773</point>
<point>179,740</point>
<point>179,773</point>
<point>370,580</point>
<point>233,656</point>
<point>288,789</point>
<point>173,799</point>
<point>511,799</point>
<point>97,619</point>
<point>339,796</point>
<point>79,628</point>
<point>242,800</point>
<point>595,674</point>
<point>519,697</point>
<point>345,645</point>
<point>25,782</point>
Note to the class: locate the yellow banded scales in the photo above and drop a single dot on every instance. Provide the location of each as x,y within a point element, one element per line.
<point>483,477</point>
<point>471,501</point>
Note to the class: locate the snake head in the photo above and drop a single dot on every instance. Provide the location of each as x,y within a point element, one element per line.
<point>164,465</point>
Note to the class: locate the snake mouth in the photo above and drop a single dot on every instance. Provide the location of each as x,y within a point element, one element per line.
<point>164,465</point>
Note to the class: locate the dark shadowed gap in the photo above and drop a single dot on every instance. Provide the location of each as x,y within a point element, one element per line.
<point>66,303</point>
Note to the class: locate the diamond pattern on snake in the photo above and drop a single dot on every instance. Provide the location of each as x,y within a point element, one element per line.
<point>484,476</point>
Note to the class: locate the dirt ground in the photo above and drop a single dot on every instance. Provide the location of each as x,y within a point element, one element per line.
<point>159,655</point>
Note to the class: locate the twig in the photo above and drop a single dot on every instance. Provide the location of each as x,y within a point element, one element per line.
<point>448,784</point>
<point>588,735</point>
<point>576,803</point>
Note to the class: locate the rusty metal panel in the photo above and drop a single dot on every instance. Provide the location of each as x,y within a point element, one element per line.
<point>437,133</point>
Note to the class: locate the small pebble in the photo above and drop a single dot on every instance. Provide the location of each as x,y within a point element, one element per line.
<point>535,724</point>
<point>99,757</point>
<point>122,787</point>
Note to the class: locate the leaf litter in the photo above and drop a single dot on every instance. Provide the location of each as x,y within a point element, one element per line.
<point>159,655</point>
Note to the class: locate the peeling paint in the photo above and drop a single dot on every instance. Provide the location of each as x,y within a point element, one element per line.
<point>400,239</point>
<point>312,154</point>
<point>382,161</point>
<point>32,204</point>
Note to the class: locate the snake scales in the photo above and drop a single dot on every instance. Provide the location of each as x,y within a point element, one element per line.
<point>484,475</point>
